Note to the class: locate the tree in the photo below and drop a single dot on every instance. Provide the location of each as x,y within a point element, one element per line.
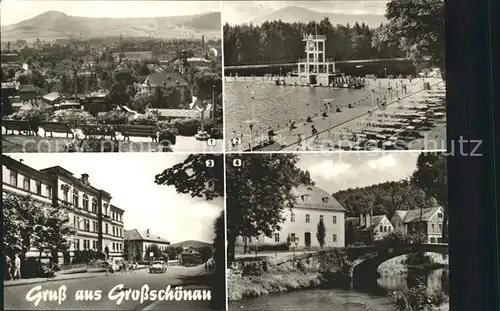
<point>138,254</point>
<point>257,193</point>
<point>23,222</point>
<point>320,234</point>
<point>157,99</point>
<point>192,176</point>
<point>140,101</point>
<point>418,28</point>
<point>56,232</point>
<point>125,77</point>
<point>118,95</point>
<point>432,177</point>
<point>207,84</point>
<point>206,253</point>
<point>219,255</point>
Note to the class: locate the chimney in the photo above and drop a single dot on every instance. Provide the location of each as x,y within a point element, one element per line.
<point>8,46</point>
<point>85,178</point>
<point>361,220</point>
<point>202,46</point>
<point>147,231</point>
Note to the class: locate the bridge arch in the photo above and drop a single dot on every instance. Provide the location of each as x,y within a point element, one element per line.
<point>367,264</point>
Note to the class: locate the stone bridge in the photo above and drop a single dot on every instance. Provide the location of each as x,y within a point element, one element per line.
<point>365,260</point>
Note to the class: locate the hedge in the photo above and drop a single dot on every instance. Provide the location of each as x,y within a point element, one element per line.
<point>269,247</point>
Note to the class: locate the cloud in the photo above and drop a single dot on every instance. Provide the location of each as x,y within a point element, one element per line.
<point>328,169</point>
<point>382,163</point>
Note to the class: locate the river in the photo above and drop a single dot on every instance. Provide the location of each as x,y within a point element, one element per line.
<point>373,298</point>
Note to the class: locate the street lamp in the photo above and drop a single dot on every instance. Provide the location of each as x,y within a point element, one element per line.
<point>251,122</point>
<point>385,70</point>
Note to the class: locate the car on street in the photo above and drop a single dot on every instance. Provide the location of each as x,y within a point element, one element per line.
<point>158,267</point>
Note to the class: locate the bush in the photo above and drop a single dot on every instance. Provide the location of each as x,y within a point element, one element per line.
<point>113,117</point>
<point>269,247</point>
<point>418,298</point>
<point>418,259</point>
<point>34,115</point>
<point>215,130</point>
<point>186,127</point>
<point>87,256</point>
<point>72,115</point>
<point>92,144</point>
<point>144,119</point>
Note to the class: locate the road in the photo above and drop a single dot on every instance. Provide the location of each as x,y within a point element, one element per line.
<point>15,296</point>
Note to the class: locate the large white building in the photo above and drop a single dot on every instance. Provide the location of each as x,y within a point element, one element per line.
<point>98,223</point>
<point>301,222</point>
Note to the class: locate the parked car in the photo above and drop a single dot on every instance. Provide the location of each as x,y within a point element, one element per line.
<point>158,267</point>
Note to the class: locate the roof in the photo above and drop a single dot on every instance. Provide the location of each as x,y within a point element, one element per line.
<point>313,197</point>
<point>11,162</point>
<point>193,59</point>
<point>401,214</point>
<point>27,88</point>
<point>375,220</point>
<point>354,221</point>
<point>52,96</point>
<point>143,235</point>
<point>418,215</point>
<point>171,79</point>
<point>177,113</point>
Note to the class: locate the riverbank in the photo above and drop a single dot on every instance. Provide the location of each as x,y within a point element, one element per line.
<point>398,265</point>
<point>276,280</point>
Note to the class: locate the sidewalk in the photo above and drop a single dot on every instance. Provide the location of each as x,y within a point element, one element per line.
<point>62,277</point>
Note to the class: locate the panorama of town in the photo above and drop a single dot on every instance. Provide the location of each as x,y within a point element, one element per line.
<point>136,94</point>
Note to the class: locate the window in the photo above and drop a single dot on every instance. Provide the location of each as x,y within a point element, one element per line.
<point>440,215</point>
<point>249,239</point>
<point>381,228</point>
<point>105,209</point>
<point>94,206</point>
<point>88,225</point>
<point>38,187</point>
<point>276,237</point>
<point>94,227</point>
<point>440,227</point>
<point>308,218</point>
<point>385,228</point>
<point>334,238</point>
<point>86,202</point>
<point>305,198</point>
<point>49,191</point>
<point>292,217</point>
<point>66,194</point>
<point>326,200</point>
<point>389,228</point>
<point>433,229</point>
<point>113,230</point>
<point>13,178</point>
<point>78,223</point>
<point>77,244</point>
<point>106,229</point>
<point>321,217</point>
<point>292,237</point>
<point>26,184</point>
<point>74,221</point>
<point>334,219</point>
<point>113,246</point>
<point>76,198</point>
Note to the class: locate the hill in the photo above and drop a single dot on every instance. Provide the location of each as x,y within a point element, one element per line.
<point>53,25</point>
<point>192,244</point>
<point>293,14</point>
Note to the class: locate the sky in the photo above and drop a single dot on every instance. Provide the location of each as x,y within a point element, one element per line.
<point>237,12</point>
<point>173,216</point>
<point>14,11</point>
<point>340,171</point>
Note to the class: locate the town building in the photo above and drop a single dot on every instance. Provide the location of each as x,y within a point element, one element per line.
<point>192,63</point>
<point>137,241</point>
<point>164,80</point>
<point>367,228</point>
<point>428,221</point>
<point>301,222</point>
<point>53,98</point>
<point>98,223</point>
<point>189,257</point>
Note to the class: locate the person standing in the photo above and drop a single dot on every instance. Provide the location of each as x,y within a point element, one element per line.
<point>8,268</point>
<point>17,267</point>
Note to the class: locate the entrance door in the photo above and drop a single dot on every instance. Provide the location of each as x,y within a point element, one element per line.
<point>307,239</point>
<point>313,80</point>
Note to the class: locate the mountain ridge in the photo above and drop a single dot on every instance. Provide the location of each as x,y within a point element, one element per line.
<point>292,14</point>
<point>55,24</point>
<point>191,243</point>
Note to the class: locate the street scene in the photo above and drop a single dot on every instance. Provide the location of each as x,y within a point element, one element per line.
<point>303,77</point>
<point>365,231</point>
<point>94,236</point>
<point>111,77</point>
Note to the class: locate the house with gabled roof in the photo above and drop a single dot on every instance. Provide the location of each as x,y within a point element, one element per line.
<point>368,228</point>
<point>428,221</point>
<point>312,204</point>
<point>164,80</point>
<point>137,242</point>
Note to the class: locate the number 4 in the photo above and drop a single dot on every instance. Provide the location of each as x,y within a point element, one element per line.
<point>237,162</point>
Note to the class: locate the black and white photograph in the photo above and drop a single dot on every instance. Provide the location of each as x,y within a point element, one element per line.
<point>337,231</point>
<point>105,232</point>
<point>111,76</point>
<point>334,75</point>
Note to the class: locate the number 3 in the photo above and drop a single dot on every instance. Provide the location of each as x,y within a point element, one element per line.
<point>210,163</point>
